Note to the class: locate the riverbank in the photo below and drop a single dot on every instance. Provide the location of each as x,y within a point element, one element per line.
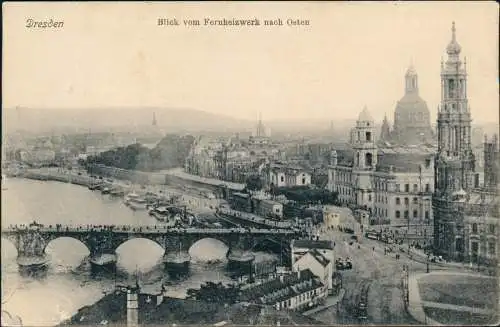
<point>55,176</point>
<point>198,205</point>
<point>159,310</point>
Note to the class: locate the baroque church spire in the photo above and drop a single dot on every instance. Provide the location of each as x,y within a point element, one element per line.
<point>454,125</point>
<point>385,133</point>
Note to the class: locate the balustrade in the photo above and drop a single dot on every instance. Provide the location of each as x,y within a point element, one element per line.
<point>148,229</point>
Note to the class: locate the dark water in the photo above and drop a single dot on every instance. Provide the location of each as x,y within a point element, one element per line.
<point>69,283</point>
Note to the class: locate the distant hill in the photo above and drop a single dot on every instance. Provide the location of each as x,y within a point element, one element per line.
<point>169,120</point>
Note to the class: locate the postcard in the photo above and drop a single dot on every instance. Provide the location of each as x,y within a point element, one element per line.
<point>250,163</point>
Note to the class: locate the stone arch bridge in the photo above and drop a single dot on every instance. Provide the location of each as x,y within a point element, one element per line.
<point>32,240</point>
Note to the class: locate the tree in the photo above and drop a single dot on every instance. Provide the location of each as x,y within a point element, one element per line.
<point>215,293</point>
<point>170,152</point>
<point>306,195</point>
<point>254,183</point>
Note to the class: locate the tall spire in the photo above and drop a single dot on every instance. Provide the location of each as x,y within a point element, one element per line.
<point>385,133</point>
<point>260,127</point>
<point>154,119</point>
<point>453,32</point>
<point>453,48</point>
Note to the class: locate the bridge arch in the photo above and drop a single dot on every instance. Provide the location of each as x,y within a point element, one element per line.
<point>140,252</point>
<point>67,250</point>
<point>52,243</point>
<point>147,241</point>
<point>209,248</point>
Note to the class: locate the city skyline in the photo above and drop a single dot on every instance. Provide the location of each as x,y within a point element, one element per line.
<point>287,73</point>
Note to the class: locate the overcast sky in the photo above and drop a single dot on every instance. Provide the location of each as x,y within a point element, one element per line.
<point>351,55</point>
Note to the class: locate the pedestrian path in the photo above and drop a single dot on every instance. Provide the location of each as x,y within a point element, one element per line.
<point>461,308</point>
<point>330,302</point>
<point>415,307</point>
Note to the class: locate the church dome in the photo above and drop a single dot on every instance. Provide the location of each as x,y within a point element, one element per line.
<point>411,104</point>
<point>411,109</point>
<point>365,116</point>
<point>412,122</point>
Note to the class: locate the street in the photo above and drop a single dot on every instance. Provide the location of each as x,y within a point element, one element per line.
<point>382,274</point>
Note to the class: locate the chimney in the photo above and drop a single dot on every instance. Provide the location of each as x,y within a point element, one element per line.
<point>132,307</point>
<point>298,273</point>
<point>282,278</point>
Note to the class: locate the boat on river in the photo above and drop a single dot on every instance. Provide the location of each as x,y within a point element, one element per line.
<point>135,201</point>
<point>95,186</point>
<point>103,259</point>
<point>160,213</point>
<point>117,192</point>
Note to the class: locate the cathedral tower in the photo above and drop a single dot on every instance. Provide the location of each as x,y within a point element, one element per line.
<point>455,160</point>
<point>363,142</point>
<point>455,164</point>
<point>365,158</point>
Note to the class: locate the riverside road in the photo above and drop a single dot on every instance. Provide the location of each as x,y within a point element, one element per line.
<point>382,273</point>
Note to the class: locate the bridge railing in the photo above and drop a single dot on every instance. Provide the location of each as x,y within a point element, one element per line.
<point>255,218</point>
<point>148,229</point>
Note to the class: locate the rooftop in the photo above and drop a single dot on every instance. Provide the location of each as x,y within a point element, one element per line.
<point>310,244</point>
<point>402,162</point>
<point>421,149</point>
<point>319,257</point>
<point>277,290</point>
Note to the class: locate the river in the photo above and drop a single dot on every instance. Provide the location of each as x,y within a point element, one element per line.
<point>69,284</point>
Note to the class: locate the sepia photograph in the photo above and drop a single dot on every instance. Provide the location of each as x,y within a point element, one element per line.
<point>250,163</point>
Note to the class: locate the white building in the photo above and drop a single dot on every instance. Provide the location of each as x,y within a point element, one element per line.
<point>334,216</point>
<point>319,265</point>
<point>271,208</point>
<point>282,176</point>
<point>394,184</point>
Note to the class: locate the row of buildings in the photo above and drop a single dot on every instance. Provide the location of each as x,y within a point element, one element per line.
<point>411,175</point>
<point>443,188</point>
<point>309,281</point>
<point>236,159</point>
